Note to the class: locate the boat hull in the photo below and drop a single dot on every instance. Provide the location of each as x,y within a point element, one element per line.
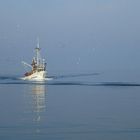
<point>37,76</point>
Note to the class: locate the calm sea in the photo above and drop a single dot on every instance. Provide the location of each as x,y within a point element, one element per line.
<point>85,106</point>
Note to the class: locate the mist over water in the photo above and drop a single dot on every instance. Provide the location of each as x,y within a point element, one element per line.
<point>92,88</point>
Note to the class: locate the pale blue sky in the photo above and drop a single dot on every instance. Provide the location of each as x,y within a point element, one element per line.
<point>75,35</point>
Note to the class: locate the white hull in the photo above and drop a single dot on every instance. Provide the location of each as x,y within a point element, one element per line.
<point>37,76</point>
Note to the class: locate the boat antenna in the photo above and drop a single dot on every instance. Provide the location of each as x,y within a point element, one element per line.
<point>38,43</point>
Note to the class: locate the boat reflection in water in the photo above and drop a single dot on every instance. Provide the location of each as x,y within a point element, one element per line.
<point>35,100</point>
<point>38,93</point>
<point>38,101</point>
<point>35,104</point>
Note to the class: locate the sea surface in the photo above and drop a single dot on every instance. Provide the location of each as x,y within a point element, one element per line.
<point>83,106</point>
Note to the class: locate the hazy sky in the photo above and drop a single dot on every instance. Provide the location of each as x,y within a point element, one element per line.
<point>75,35</point>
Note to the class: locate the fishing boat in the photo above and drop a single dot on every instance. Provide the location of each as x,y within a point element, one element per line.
<point>38,67</point>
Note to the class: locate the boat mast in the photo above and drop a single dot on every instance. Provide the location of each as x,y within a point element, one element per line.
<point>38,58</point>
<point>40,63</point>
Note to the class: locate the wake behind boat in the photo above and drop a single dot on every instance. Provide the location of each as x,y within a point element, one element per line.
<point>38,67</point>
